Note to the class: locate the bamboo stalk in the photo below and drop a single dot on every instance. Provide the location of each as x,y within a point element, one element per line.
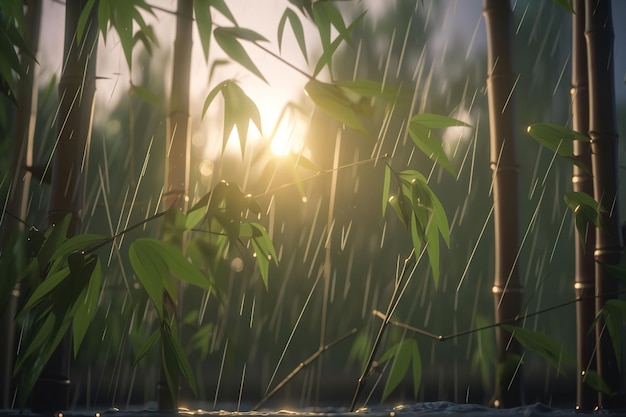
<point>77,88</point>
<point>22,155</point>
<point>178,126</point>
<point>507,289</point>
<point>603,134</point>
<point>584,280</point>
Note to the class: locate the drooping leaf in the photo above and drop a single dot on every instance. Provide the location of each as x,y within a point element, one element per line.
<point>263,248</point>
<point>614,313</point>
<point>420,130</point>
<point>220,6</point>
<point>82,20</point>
<point>437,121</point>
<point>296,27</point>
<point>586,210</point>
<point>545,346</point>
<point>558,139</point>
<point>227,40</point>
<point>146,346</point>
<point>151,271</point>
<point>176,362</point>
<point>595,382</point>
<point>204,22</point>
<point>617,271</point>
<point>239,110</point>
<point>332,100</point>
<point>87,307</point>
<point>51,282</point>
<point>403,353</point>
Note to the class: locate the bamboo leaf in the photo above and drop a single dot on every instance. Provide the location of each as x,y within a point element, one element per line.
<point>436,121</point>
<point>220,6</point>
<point>151,271</point>
<point>332,100</point>
<point>416,360</point>
<point>586,210</point>
<point>82,20</point>
<point>614,314</point>
<point>296,27</point>
<point>51,282</point>
<point>147,345</point>
<point>402,354</point>
<point>87,307</point>
<point>593,380</point>
<point>566,4</point>
<point>239,110</point>
<point>175,352</point>
<point>227,40</point>
<point>78,243</point>
<point>243,33</point>
<point>264,251</point>
<point>212,94</point>
<point>428,143</point>
<point>544,345</point>
<point>558,139</point>
<point>169,361</point>
<point>204,22</point>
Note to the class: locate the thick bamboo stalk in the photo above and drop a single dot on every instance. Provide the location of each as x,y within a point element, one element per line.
<point>603,134</point>
<point>77,88</point>
<point>507,290</point>
<point>22,155</point>
<point>178,125</point>
<point>584,281</point>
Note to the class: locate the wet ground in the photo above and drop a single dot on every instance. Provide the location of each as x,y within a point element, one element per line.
<point>430,409</point>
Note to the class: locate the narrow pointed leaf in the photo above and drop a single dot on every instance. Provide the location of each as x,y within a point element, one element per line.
<point>330,99</point>
<point>151,271</point>
<point>558,139</point>
<point>87,307</point>
<point>204,22</point>
<point>545,346</point>
<point>220,6</point>
<point>427,142</point>
<point>231,46</point>
<point>401,353</point>
<point>296,27</point>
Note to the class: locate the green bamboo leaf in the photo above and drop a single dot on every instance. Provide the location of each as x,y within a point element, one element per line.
<point>175,350</point>
<point>220,6</point>
<point>204,22</point>
<point>264,251</point>
<point>104,18</point>
<point>432,249</point>
<point>82,20</point>
<point>227,40</point>
<point>386,184</point>
<point>147,345</point>
<point>212,94</point>
<point>595,381</point>
<point>614,314</point>
<point>243,33</point>
<point>87,307</point>
<point>169,361</point>
<point>54,237</point>
<point>239,110</point>
<point>436,121</point>
<point>558,139</point>
<point>78,243</point>
<point>296,27</point>
<point>151,271</point>
<point>332,100</point>
<point>617,271</point>
<point>566,4</point>
<point>427,142</point>
<point>417,236</point>
<point>402,354</point>
<point>586,210</point>
<point>51,282</point>
<point>329,48</point>
<point>545,346</point>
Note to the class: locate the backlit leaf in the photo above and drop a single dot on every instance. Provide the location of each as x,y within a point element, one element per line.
<point>204,23</point>
<point>227,40</point>
<point>296,27</point>
<point>427,142</point>
<point>332,100</point>
<point>386,184</point>
<point>151,271</point>
<point>586,210</point>
<point>403,353</point>
<point>174,351</point>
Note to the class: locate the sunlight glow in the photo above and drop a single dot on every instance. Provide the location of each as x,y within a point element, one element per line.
<point>288,136</point>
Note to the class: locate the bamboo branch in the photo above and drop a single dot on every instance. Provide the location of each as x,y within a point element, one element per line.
<point>301,366</point>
